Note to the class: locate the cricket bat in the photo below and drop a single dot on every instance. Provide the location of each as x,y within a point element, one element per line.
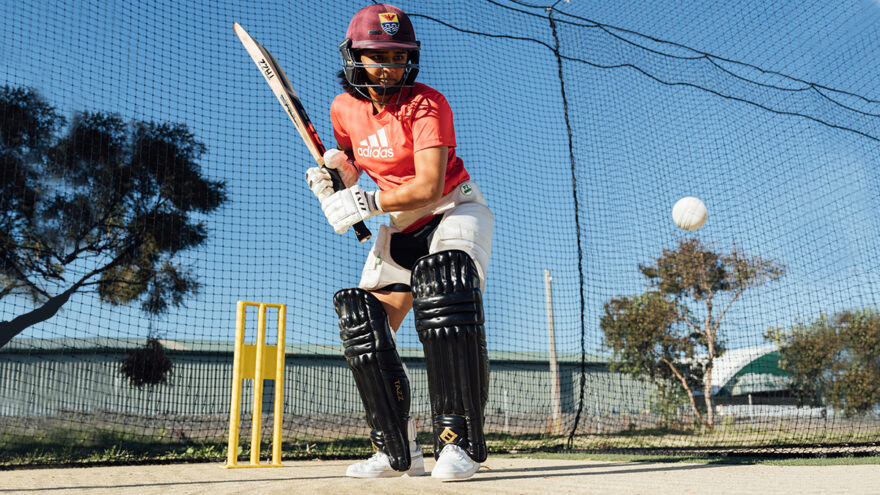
<point>293,107</point>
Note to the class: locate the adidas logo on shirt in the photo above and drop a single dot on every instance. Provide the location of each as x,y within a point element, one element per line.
<point>375,146</point>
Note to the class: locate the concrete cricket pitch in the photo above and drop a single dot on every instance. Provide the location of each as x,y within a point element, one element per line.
<point>519,475</point>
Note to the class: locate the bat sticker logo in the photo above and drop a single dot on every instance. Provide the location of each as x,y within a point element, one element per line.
<point>267,69</point>
<point>389,23</point>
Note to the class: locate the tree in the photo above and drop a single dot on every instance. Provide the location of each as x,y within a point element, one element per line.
<point>834,360</point>
<point>658,334</point>
<point>645,336</point>
<point>114,200</point>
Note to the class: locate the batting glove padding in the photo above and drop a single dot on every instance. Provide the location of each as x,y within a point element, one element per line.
<point>448,311</point>
<point>348,171</point>
<point>320,182</point>
<point>378,372</point>
<point>349,206</point>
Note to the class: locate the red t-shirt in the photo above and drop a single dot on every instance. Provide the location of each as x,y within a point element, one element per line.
<point>383,145</point>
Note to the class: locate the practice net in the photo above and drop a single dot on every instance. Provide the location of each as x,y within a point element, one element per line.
<point>150,180</point>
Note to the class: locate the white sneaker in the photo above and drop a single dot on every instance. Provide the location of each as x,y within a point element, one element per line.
<point>379,466</point>
<point>454,464</point>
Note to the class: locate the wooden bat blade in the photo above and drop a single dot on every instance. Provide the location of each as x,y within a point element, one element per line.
<point>280,85</point>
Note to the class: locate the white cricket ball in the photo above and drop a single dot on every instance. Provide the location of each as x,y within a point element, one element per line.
<point>689,213</point>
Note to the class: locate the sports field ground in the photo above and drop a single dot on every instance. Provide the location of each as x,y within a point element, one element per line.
<point>548,474</point>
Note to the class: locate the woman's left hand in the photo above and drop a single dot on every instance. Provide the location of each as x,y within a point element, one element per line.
<point>349,206</point>
<point>319,182</point>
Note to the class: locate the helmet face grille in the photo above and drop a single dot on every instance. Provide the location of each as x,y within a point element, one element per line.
<point>353,70</point>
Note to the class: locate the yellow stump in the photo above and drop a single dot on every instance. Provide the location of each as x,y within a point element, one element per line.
<point>257,362</point>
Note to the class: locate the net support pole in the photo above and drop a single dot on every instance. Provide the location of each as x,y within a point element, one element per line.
<point>555,395</point>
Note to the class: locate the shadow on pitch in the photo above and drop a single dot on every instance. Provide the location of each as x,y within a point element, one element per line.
<point>584,470</point>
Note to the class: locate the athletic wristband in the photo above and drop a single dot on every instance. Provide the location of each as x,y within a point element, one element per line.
<point>372,198</point>
<point>378,204</point>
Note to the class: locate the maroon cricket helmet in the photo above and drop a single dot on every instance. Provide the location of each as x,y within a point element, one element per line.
<point>379,27</point>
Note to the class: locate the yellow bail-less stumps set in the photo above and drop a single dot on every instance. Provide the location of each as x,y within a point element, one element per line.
<point>257,362</point>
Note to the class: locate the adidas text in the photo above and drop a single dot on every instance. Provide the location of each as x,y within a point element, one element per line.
<point>375,146</point>
<point>368,152</point>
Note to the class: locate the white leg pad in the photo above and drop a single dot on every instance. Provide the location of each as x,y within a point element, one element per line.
<point>380,270</point>
<point>466,224</point>
<point>468,227</point>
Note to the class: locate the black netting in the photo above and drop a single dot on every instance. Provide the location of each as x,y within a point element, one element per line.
<point>583,123</point>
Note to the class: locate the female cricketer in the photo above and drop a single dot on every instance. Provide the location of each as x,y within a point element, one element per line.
<point>432,255</point>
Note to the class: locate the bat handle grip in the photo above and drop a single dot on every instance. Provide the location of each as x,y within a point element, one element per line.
<point>360,229</point>
<point>363,233</point>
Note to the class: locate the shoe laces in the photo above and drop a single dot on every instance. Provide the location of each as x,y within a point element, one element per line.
<point>454,449</point>
<point>379,458</point>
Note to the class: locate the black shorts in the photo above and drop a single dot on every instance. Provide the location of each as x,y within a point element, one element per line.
<point>407,248</point>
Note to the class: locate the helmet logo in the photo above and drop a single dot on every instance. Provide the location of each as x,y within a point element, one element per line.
<point>389,23</point>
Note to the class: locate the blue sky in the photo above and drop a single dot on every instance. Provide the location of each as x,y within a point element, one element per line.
<point>651,122</point>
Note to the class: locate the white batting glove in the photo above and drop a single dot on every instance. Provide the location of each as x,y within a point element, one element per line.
<point>320,182</point>
<point>349,206</point>
<point>338,160</point>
